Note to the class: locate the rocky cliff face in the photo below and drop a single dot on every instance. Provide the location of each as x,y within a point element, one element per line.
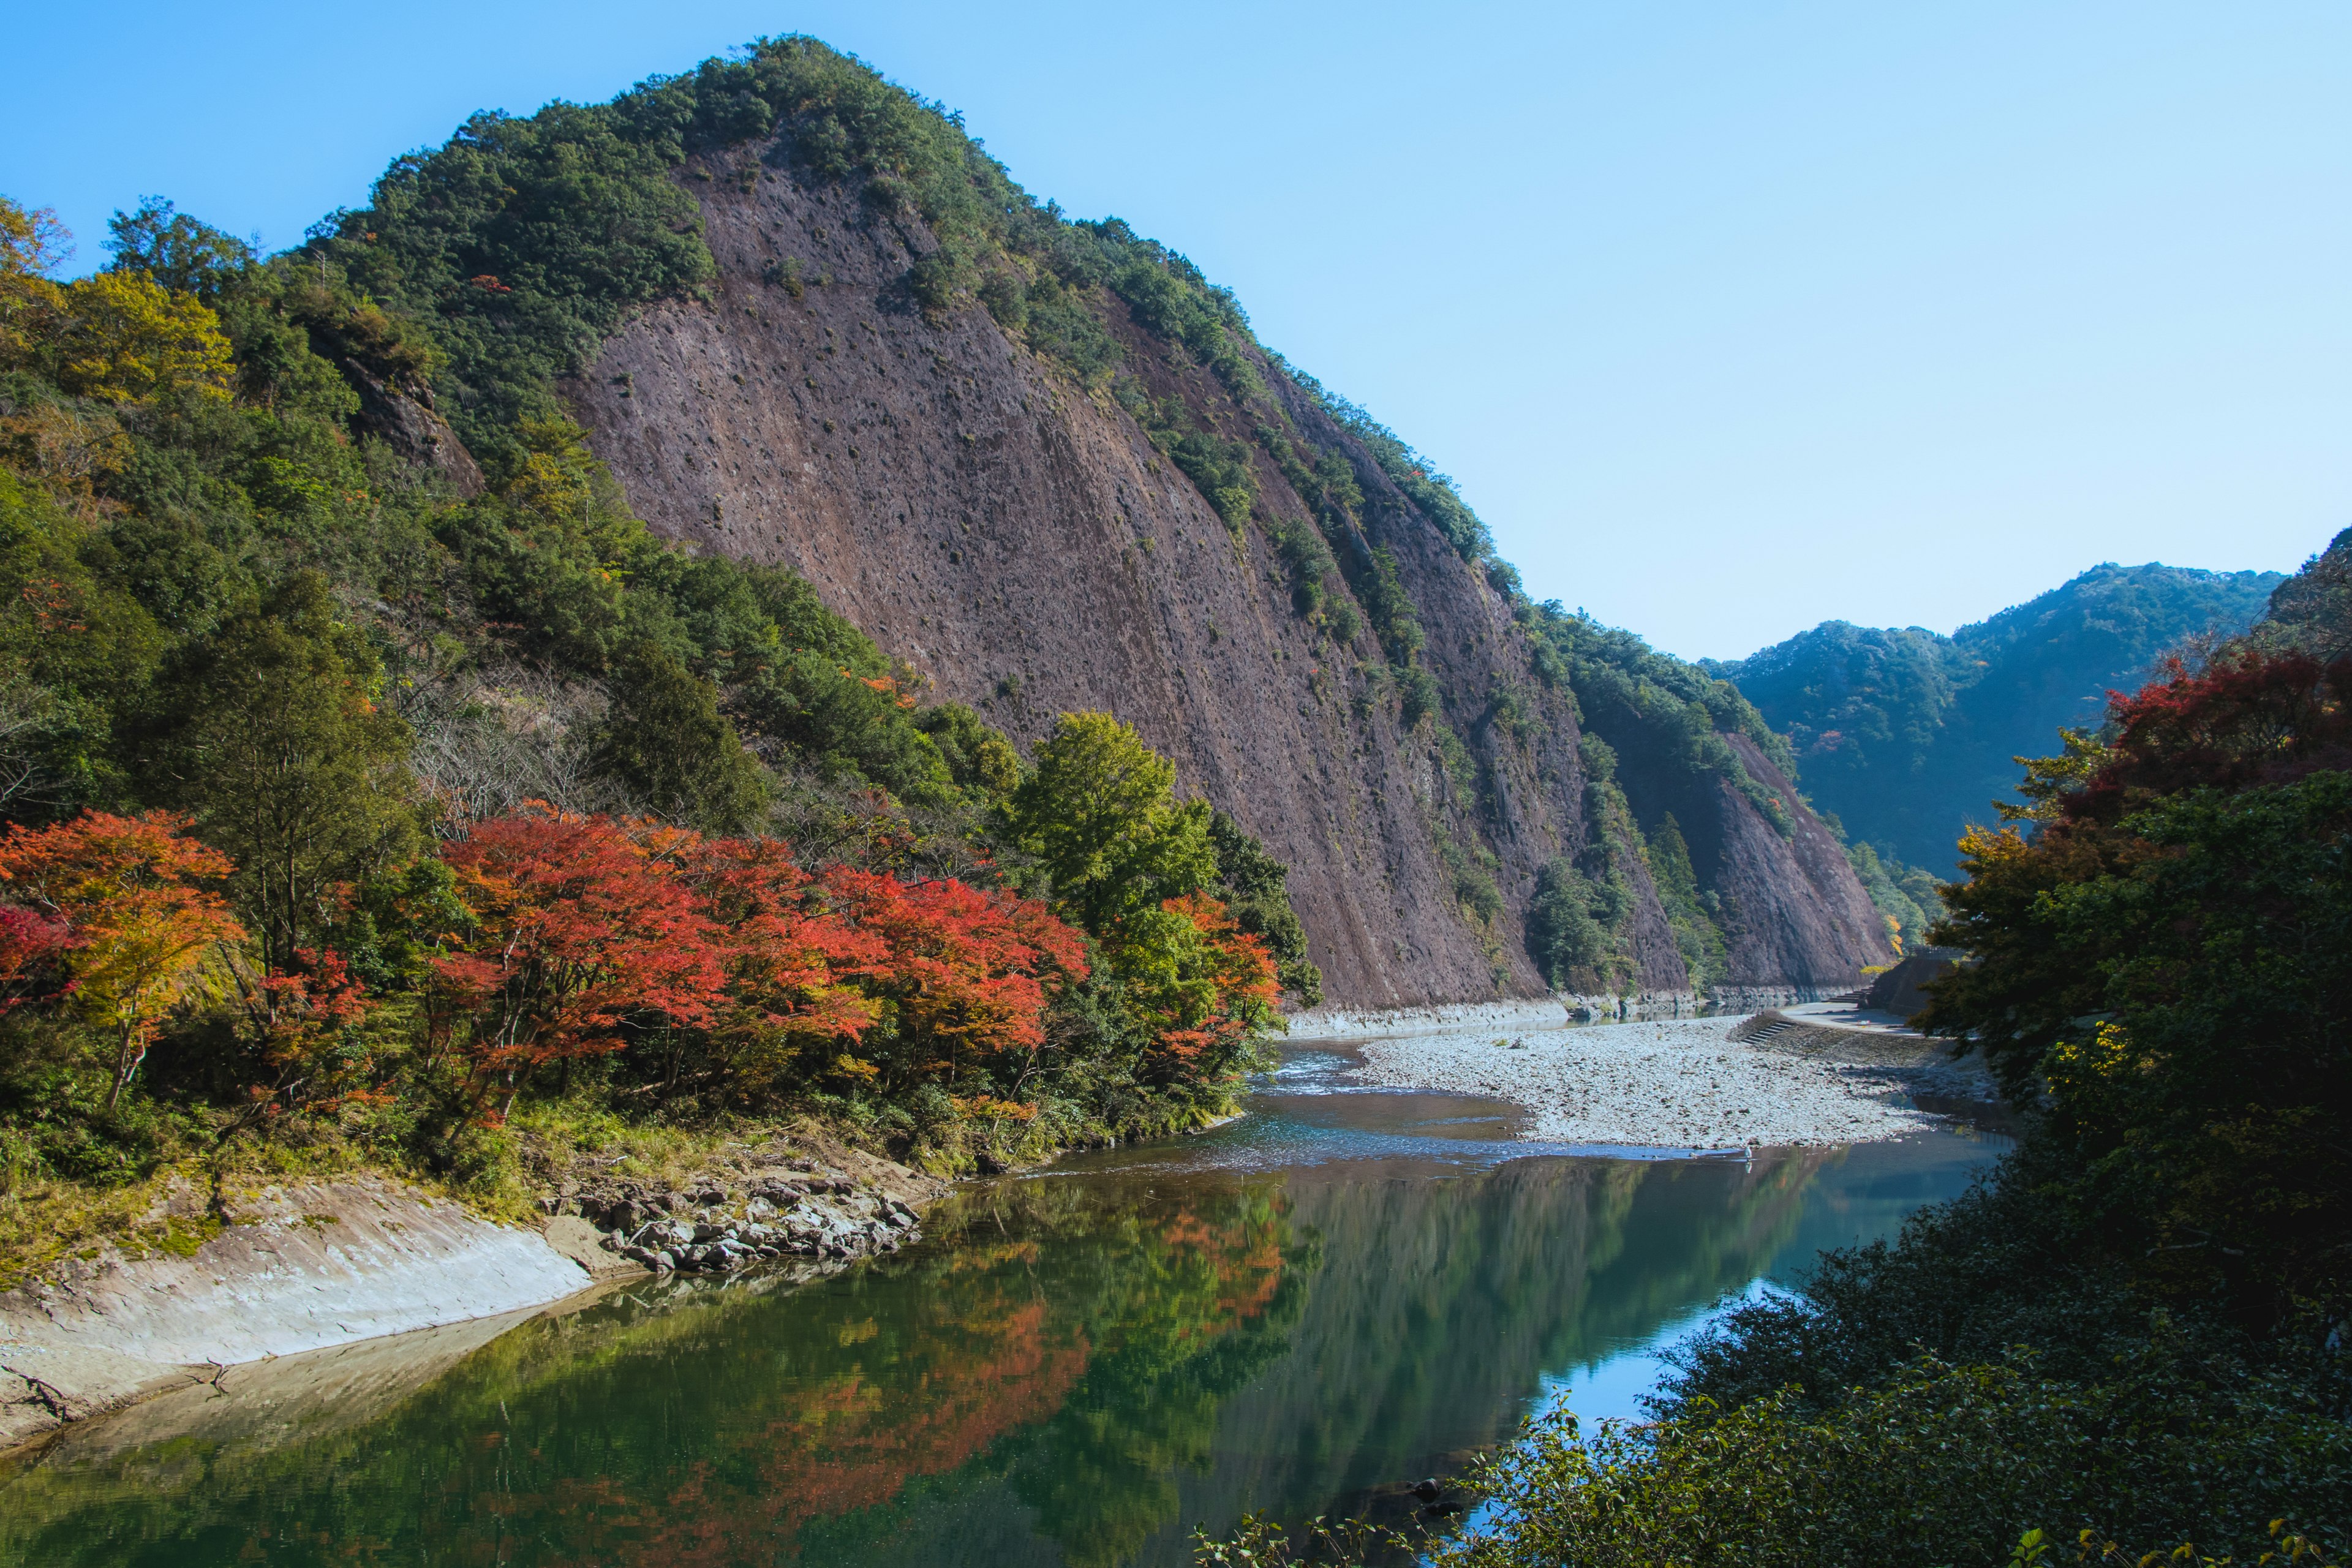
<point>1025,546</point>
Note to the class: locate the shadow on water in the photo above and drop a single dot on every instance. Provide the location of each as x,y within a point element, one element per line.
<point>1297,1311</point>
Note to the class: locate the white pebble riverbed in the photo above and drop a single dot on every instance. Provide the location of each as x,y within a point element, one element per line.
<point>1670,1083</point>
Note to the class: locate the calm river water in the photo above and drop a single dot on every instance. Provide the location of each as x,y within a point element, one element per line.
<point>1303,1312</point>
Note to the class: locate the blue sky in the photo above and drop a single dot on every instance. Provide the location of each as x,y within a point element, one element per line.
<point>1727,319</point>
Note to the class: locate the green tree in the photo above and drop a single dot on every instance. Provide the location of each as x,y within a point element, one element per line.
<point>287,761</point>
<point>981,762</point>
<point>1098,811</point>
<point>849,726</point>
<point>1569,929</point>
<point>1256,889</point>
<point>175,249</point>
<point>665,743</point>
<point>1696,933</point>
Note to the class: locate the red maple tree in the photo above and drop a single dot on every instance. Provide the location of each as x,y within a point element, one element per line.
<point>790,963</point>
<point>586,933</point>
<point>2249,719</point>
<point>965,972</point>
<point>146,931</point>
<point>307,1024</point>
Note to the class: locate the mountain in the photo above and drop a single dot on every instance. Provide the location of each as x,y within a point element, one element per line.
<point>1049,465</point>
<point>1906,736</point>
<point>751,451</point>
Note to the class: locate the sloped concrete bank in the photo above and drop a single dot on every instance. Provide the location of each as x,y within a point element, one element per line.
<point>305,1268</point>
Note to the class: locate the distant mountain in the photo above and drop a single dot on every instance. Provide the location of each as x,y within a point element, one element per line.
<point>1906,736</point>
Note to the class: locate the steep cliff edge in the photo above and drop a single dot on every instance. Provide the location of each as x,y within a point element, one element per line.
<point>1022,539</point>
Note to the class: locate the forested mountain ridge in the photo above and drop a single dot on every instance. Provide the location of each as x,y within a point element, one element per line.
<point>439,685</point>
<point>1906,736</point>
<point>1049,465</point>
<point>2312,609</point>
<point>1360,686</point>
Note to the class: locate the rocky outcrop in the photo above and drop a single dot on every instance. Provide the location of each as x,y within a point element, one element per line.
<point>1902,990</point>
<point>1796,916</point>
<point>306,1267</point>
<point>405,420</point>
<point>717,1224</point>
<point>295,1269</point>
<point>1029,551</point>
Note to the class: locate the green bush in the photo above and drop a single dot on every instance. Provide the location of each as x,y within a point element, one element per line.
<point>1942,1463</point>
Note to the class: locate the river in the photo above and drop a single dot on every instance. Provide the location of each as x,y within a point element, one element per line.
<point>1303,1312</point>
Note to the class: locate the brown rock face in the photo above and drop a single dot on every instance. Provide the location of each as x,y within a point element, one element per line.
<point>1024,546</point>
<point>411,428</point>
<point>1820,937</point>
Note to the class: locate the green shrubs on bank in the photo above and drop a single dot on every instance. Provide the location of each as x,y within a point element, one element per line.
<point>1938,1463</point>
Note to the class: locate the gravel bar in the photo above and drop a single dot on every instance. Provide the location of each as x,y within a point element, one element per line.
<point>1671,1083</point>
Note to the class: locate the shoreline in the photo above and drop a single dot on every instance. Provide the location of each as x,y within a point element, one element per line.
<point>294,1271</point>
<point>307,1271</point>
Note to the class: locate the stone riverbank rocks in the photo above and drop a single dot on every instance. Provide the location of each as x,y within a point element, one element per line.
<point>1699,1083</point>
<point>719,1222</point>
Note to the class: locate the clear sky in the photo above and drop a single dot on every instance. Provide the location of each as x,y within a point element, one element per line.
<point>1729,318</point>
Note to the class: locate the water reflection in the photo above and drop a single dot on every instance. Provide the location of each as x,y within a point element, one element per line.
<point>1340,1294</point>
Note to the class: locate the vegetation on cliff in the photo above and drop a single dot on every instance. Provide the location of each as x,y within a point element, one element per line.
<point>363,802</point>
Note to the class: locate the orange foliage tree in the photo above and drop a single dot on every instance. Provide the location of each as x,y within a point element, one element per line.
<point>591,933</point>
<point>1207,988</point>
<point>964,977</point>
<point>146,933</point>
<point>585,933</point>
<point>790,964</point>
<point>307,1024</point>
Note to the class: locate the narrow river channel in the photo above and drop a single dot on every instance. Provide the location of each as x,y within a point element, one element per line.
<point>1303,1312</point>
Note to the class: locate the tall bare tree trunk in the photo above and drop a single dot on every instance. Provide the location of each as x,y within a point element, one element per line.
<point>127,1054</point>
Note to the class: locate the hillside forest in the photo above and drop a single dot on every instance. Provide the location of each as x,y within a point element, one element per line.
<point>358,814</point>
<point>378,786</point>
<point>1909,736</point>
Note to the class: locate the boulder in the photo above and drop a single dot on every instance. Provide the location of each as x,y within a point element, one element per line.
<point>1899,989</point>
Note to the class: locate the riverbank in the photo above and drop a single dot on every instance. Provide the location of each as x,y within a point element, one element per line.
<point>227,1277</point>
<point>215,1279</point>
<point>1687,1083</point>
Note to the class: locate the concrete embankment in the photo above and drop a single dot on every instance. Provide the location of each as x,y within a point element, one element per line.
<point>302,1268</point>
<point>1551,1012</point>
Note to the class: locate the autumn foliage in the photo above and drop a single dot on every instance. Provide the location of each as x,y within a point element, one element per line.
<point>2250,719</point>
<point>544,941</point>
<point>592,934</point>
<point>142,927</point>
<point>1207,987</point>
<point>586,933</point>
<point>2164,962</point>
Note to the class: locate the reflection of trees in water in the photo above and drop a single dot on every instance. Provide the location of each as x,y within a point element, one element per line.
<point>1441,1303</point>
<point>721,1431</point>
<point>1097,1363</point>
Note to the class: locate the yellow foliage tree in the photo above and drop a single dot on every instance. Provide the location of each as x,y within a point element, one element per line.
<point>127,339</point>
<point>146,933</point>
<point>31,243</point>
